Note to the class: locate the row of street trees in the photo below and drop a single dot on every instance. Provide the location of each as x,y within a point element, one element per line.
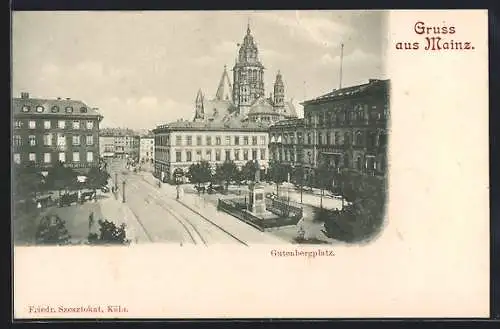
<point>28,179</point>
<point>227,172</point>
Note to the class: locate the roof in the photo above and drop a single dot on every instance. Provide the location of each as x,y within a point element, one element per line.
<point>289,110</point>
<point>262,105</point>
<point>52,107</point>
<point>288,122</point>
<point>232,123</point>
<point>350,91</point>
<point>217,109</point>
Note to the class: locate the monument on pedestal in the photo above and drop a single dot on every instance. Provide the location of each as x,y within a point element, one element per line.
<point>256,193</point>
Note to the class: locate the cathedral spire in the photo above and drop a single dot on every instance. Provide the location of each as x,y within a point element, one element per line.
<point>224,90</point>
<point>199,107</point>
<point>248,26</point>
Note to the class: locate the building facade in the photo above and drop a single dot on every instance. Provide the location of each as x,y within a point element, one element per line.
<point>46,131</point>
<point>180,144</point>
<point>147,149</point>
<point>346,128</point>
<point>119,144</point>
<point>107,146</point>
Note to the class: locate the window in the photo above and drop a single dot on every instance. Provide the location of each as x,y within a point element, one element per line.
<point>32,157</point>
<point>228,155</point>
<point>17,140</point>
<point>39,109</point>
<point>47,157</point>
<point>228,140</point>
<point>90,140</point>
<point>83,109</point>
<point>178,140</point>
<point>17,158</point>
<point>54,109</point>
<point>198,156</point>
<point>61,124</point>
<point>189,140</point>
<point>245,140</point>
<point>18,124</point>
<point>32,140</point>
<point>254,140</point>
<point>208,155</point>
<point>237,155</point>
<point>320,138</point>
<point>209,140</point>
<point>217,155</point>
<point>62,156</point>
<point>32,124</point>
<point>46,124</point>
<point>76,124</point>
<point>76,156</point>
<point>188,156</point>
<point>177,156</point>
<point>359,138</point>
<point>90,156</point>
<point>69,109</point>
<point>61,140</point>
<point>90,125</point>
<point>217,140</point>
<point>347,139</point>
<point>76,140</point>
<point>336,139</point>
<point>198,140</point>
<point>292,156</point>
<point>236,140</point>
<point>245,155</point>
<point>262,154</point>
<point>254,154</point>
<point>262,140</point>
<point>47,140</point>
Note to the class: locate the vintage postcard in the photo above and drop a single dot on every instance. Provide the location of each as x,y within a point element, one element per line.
<point>249,164</point>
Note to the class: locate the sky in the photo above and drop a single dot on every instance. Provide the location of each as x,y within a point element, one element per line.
<point>144,68</point>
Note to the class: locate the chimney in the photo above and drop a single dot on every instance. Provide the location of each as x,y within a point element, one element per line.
<point>95,108</point>
<point>67,98</point>
<point>58,98</point>
<point>25,95</point>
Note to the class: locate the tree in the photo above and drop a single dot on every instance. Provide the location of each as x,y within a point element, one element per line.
<point>27,180</point>
<point>97,177</point>
<point>324,174</point>
<point>248,171</point>
<point>364,217</point>
<point>178,174</point>
<point>200,173</point>
<point>52,231</point>
<point>61,177</point>
<point>298,175</point>
<point>227,171</point>
<point>109,233</point>
<point>277,173</point>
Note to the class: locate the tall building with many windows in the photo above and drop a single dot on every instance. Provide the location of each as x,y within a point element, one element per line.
<point>147,149</point>
<point>346,128</point>
<point>46,131</point>
<point>182,143</point>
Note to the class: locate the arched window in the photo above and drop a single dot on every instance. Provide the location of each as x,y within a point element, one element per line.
<point>359,164</point>
<point>347,139</point>
<point>337,139</point>
<point>359,138</point>
<point>382,139</point>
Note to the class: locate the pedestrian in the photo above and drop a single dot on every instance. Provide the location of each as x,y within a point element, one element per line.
<point>91,220</point>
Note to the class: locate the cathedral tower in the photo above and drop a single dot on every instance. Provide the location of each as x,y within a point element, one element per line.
<point>248,75</point>
<point>279,93</point>
<point>224,90</point>
<point>200,110</point>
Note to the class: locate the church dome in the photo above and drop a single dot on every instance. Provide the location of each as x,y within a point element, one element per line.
<point>261,106</point>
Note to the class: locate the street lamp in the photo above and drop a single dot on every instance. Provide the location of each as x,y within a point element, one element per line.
<point>123,192</point>
<point>116,181</point>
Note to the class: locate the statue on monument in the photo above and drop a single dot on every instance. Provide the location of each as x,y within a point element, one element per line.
<point>257,171</point>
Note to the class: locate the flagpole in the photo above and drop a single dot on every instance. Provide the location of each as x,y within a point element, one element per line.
<point>341,60</point>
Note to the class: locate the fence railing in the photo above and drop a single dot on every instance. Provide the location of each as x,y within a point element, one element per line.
<point>235,209</point>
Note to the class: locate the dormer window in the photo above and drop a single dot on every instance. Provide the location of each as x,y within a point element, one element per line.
<point>26,108</point>
<point>69,109</point>
<point>54,109</point>
<point>39,109</point>
<point>83,109</point>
